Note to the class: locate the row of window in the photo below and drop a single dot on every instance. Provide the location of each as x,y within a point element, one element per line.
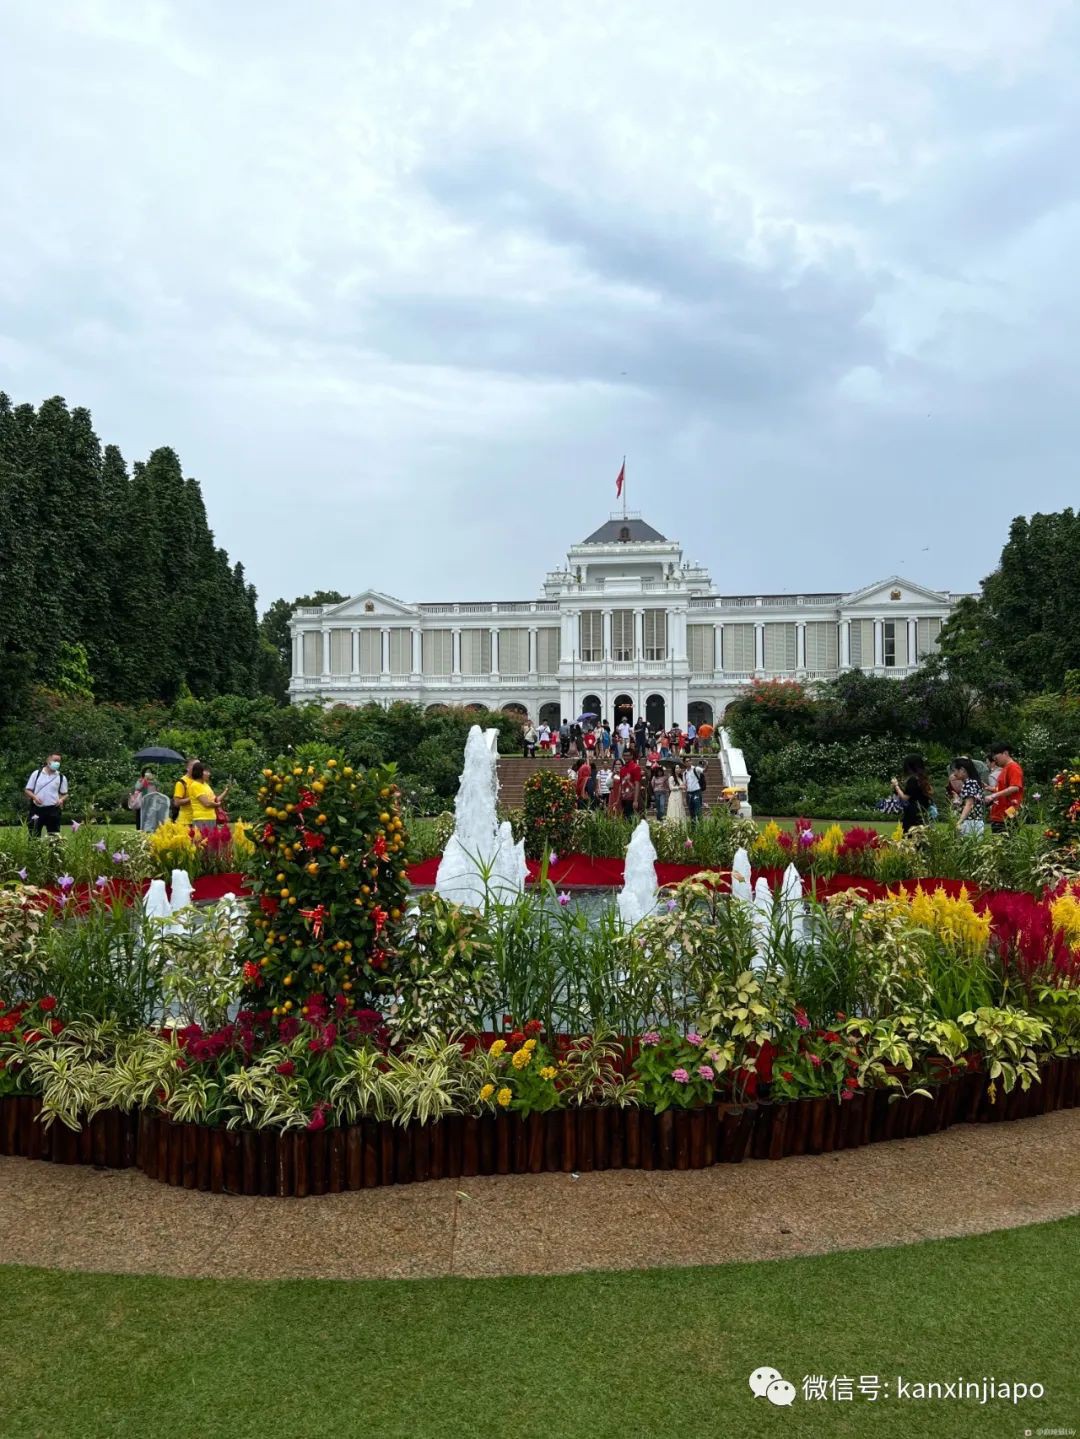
<point>736,651</point>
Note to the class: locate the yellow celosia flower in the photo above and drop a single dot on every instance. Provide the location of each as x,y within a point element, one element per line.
<point>521,1058</point>
<point>768,838</point>
<point>952,920</point>
<point>243,847</point>
<point>1065,913</point>
<point>497,1048</point>
<point>504,1097</point>
<point>530,1045</point>
<point>831,840</point>
<point>487,1091</point>
<point>548,1072</point>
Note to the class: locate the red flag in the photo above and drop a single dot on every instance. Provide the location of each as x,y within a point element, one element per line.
<point>620,481</point>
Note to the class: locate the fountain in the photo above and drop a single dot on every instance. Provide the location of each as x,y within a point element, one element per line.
<point>637,898</point>
<point>481,860</point>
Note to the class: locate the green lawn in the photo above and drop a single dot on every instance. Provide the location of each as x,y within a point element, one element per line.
<point>662,1353</point>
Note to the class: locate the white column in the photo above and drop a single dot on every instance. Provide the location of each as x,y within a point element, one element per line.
<point>800,644</point>
<point>297,654</point>
<point>455,651</point>
<point>355,666</point>
<point>912,641</point>
<point>417,652</point>
<point>494,653</point>
<point>606,639</point>
<point>759,647</point>
<point>326,651</point>
<point>639,634</point>
<point>718,648</point>
<point>879,644</point>
<point>532,649</point>
<point>845,644</point>
<point>384,650</point>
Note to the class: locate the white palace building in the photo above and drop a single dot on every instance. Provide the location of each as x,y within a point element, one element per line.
<point>626,626</point>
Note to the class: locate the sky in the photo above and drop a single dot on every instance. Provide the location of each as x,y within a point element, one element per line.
<point>403,284</point>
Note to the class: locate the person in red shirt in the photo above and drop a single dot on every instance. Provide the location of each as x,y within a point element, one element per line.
<point>630,789</point>
<point>1009,795</point>
<point>581,783</point>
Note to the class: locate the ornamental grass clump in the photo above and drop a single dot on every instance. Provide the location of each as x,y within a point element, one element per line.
<point>330,883</point>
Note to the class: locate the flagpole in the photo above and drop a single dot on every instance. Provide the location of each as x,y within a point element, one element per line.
<point>624,487</point>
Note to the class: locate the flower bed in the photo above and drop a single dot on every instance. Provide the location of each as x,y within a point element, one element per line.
<point>371,1154</point>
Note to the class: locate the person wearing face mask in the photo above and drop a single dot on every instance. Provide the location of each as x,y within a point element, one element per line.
<point>47,790</point>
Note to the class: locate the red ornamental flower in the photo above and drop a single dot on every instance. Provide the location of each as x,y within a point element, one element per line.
<point>831,1037</point>
<point>516,1040</point>
<point>286,1067</point>
<point>268,833</point>
<point>7,1023</point>
<point>815,1061</point>
<point>379,847</point>
<point>34,1036</point>
<point>268,904</point>
<point>851,1082</point>
<point>318,1117</point>
<point>47,1003</point>
<point>312,840</point>
<point>57,1026</point>
<point>378,959</point>
<point>379,917</point>
<point>533,1028</point>
<point>786,1075</point>
<point>307,800</point>
<point>251,973</point>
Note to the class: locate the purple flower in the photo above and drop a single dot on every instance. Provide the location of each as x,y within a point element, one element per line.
<point>1036,797</point>
<point>75,826</point>
<point>650,1039</point>
<point>22,874</point>
<point>63,898</point>
<point>680,1076</point>
<point>120,856</point>
<point>101,845</point>
<point>552,857</point>
<point>688,844</point>
<point>806,839</point>
<point>100,882</point>
<point>706,1071</point>
<point>694,1038</point>
<point>564,899</point>
<point>670,905</point>
<point>66,881</point>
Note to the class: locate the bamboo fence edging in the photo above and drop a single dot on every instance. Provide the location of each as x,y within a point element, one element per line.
<point>298,1163</point>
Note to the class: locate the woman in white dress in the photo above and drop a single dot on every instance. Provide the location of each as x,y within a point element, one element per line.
<point>676,805</point>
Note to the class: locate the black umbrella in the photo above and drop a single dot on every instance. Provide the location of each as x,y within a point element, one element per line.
<point>159,755</point>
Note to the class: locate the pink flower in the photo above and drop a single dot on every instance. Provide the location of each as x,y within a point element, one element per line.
<point>680,1076</point>
<point>100,882</point>
<point>75,826</point>
<point>694,1038</point>
<point>801,1019</point>
<point>552,857</point>
<point>564,898</point>
<point>650,1039</point>
<point>815,1060</point>
<point>706,1071</point>
<point>318,1117</point>
<point>688,844</point>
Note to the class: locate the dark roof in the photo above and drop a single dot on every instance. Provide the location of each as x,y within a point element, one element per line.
<point>629,530</point>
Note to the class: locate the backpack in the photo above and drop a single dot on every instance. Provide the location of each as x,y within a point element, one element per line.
<point>701,773</point>
<point>590,786</point>
<point>174,808</point>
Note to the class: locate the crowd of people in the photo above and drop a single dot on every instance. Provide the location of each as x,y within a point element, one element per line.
<point>631,769</point>
<point>193,803</point>
<point>973,788</point>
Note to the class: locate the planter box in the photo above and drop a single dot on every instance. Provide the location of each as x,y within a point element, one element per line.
<point>108,1140</point>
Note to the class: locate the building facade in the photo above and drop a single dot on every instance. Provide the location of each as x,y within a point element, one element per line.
<point>626,626</point>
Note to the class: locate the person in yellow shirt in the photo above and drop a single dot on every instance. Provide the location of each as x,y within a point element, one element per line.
<point>204,802</point>
<point>181,798</point>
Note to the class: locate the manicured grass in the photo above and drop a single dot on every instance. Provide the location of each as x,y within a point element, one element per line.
<point>662,1353</point>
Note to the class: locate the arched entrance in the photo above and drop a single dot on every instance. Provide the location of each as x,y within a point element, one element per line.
<point>655,711</point>
<point>477,709</point>
<point>436,709</point>
<point>590,705</point>
<point>699,712</point>
<point>623,709</point>
<point>550,714</point>
<point>513,708</point>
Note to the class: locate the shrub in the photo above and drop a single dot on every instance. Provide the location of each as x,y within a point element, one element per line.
<point>550,813</point>
<point>330,882</point>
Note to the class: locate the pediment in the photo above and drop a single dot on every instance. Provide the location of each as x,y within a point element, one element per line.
<point>369,604</point>
<point>893,591</point>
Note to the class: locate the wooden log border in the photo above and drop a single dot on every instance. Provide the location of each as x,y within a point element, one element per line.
<point>371,1154</point>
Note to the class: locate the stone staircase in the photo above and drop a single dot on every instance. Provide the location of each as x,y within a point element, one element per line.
<point>513,772</point>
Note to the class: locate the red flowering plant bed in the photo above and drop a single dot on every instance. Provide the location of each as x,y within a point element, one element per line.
<point>23,1027</point>
<point>550,805</point>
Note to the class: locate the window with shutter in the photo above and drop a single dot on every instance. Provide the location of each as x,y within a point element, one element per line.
<point>591,635</point>
<point>547,650</point>
<point>655,634</point>
<point>622,634</point>
<point>370,652</point>
<point>737,642</point>
<point>929,634</point>
<point>341,652</point>
<point>862,644</point>
<point>780,650</point>
<point>312,652</point>
<point>437,651</point>
<point>513,652</point>
<point>475,652</point>
<point>822,647</point>
<point>701,648</point>
<point>400,651</point>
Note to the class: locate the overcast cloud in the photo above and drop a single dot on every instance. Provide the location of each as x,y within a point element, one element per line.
<point>402,284</point>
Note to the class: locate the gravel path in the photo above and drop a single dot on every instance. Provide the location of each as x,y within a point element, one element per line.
<point>967,1180</point>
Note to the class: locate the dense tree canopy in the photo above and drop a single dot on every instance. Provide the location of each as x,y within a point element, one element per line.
<point>112,579</point>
